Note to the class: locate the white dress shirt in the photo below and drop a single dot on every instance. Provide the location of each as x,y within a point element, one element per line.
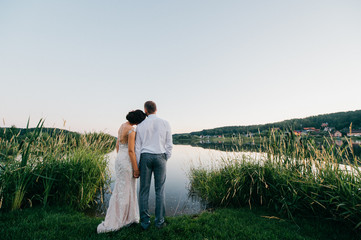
<point>153,136</point>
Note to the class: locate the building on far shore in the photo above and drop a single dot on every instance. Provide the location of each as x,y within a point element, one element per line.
<point>329,129</point>
<point>297,132</point>
<point>300,132</point>
<point>311,129</point>
<point>324,125</point>
<point>354,133</point>
<point>337,134</point>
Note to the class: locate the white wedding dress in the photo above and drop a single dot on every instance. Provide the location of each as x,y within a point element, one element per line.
<point>123,207</point>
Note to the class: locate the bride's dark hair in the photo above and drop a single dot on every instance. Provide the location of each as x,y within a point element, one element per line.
<point>136,117</point>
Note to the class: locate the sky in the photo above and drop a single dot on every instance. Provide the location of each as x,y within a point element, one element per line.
<point>83,65</point>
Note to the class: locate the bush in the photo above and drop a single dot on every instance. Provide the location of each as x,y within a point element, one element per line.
<point>60,169</point>
<point>292,178</point>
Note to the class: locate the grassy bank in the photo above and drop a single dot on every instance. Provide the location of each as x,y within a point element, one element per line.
<point>52,168</point>
<point>295,178</point>
<point>260,223</point>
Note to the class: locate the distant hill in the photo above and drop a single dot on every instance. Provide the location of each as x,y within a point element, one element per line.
<point>22,132</point>
<point>7,133</point>
<point>340,121</point>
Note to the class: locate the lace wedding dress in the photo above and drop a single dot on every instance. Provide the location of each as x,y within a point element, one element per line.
<point>123,207</point>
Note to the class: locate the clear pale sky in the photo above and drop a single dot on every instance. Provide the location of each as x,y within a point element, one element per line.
<point>205,63</point>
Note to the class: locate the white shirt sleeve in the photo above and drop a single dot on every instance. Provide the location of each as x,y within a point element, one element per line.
<point>138,146</point>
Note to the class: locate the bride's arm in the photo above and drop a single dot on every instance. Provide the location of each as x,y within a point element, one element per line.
<point>131,151</point>
<point>117,144</point>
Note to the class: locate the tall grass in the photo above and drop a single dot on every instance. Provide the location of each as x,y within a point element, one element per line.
<point>294,177</point>
<point>53,169</point>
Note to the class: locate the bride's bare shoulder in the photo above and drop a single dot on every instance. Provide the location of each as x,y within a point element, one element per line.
<point>125,127</point>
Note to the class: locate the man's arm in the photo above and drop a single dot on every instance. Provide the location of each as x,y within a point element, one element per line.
<point>138,146</point>
<point>168,141</point>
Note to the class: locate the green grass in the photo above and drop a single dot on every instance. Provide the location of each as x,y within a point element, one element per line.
<point>228,223</point>
<point>52,169</point>
<point>294,177</point>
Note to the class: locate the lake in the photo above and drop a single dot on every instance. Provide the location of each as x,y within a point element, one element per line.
<point>179,200</point>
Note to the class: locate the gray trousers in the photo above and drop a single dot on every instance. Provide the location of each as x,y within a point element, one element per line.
<point>152,163</point>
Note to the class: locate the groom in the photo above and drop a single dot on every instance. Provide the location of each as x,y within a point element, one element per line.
<point>153,147</point>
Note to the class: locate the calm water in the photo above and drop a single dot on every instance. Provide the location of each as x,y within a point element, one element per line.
<point>178,198</point>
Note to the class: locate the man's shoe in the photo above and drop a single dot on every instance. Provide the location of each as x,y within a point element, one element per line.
<point>161,226</point>
<point>144,226</point>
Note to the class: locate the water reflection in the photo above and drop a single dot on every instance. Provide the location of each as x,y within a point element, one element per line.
<point>338,142</point>
<point>179,200</point>
<point>257,147</point>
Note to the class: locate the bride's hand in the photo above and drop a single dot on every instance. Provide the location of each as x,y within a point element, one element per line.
<point>136,173</point>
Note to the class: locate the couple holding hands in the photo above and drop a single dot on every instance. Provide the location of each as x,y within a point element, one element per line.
<point>141,152</point>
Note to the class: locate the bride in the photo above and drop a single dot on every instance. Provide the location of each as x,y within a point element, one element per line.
<point>123,207</point>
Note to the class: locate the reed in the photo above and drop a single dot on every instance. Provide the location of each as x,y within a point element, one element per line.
<point>295,176</point>
<point>52,168</point>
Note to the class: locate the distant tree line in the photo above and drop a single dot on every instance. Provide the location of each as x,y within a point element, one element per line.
<point>72,139</point>
<point>22,133</point>
<point>340,121</point>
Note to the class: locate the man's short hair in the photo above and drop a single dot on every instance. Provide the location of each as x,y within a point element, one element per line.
<point>150,107</point>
